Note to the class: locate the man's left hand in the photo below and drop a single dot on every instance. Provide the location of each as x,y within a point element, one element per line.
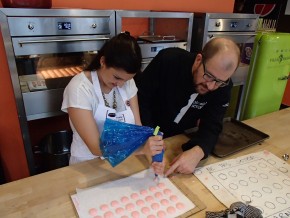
<point>186,162</point>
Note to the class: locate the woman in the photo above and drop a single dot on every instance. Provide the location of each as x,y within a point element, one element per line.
<point>106,89</point>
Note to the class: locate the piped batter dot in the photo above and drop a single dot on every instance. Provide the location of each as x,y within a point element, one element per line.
<point>140,203</point>
<point>93,212</point>
<point>143,192</point>
<point>161,214</point>
<point>180,206</point>
<point>174,198</point>
<point>155,206</point>
<point>171,210</point>
<point>167,191</point>
<point>145,210</point>
<point>104,207</point>
<point>158,195</point>
<point>134,196</point>
<point>152,189</point>
<point>149,199</point>
<point>130,207</point>
<point>135,214</point>
<point>120,210</point>
<point>164,202</point>
<point>124,199</point>
<point>114,203</point>
<point>108,214</point>
<point>161,185</point>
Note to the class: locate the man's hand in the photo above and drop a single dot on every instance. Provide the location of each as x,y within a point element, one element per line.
<point>186,162</point>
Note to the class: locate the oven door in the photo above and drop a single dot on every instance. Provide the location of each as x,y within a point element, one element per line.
<point>245,41</point>
<point>45,65</point>
<point>57,44</point>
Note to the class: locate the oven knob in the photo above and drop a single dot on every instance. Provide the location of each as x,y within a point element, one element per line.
<point>30,26</point>
<point>217,24</point>
<point>94,25</point>
<point>249,25</point>
<point>234,25</point>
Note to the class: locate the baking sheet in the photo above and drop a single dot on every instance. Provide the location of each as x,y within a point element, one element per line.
<point>237,136</point>
<point>138,188</point>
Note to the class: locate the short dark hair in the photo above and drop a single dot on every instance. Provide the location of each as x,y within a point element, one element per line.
<point>122,52</point>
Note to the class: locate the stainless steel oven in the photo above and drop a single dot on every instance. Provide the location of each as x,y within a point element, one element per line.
<point>45,48</point>
<point>156,30</point>
<point>239,27</point>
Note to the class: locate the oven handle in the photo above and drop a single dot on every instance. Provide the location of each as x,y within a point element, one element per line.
<point>61,40</point>
<point>232,34</point>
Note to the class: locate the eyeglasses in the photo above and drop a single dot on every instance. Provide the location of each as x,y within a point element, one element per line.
<point>210,78</point>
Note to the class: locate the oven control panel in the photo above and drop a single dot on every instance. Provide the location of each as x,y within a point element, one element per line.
<point>230,25</point>
<point>30,26</point>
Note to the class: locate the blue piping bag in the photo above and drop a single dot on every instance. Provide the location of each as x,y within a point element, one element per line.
<point>157,157</point>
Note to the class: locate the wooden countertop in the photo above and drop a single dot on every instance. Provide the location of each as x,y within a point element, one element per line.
<point>48,194</point>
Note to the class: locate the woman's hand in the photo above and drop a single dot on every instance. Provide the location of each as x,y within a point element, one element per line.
<point>158,167</point>
<point>154,145</point>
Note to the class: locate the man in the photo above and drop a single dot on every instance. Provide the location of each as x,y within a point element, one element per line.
<point>179,90</point>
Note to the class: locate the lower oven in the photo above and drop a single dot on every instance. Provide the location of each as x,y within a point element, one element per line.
<point>241,28</point>
<point>45,48</point>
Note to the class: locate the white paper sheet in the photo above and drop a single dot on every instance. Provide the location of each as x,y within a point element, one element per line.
<point>135,196</point>
<point>260,179</point>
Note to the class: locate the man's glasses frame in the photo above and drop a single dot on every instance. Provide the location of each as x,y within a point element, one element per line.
<point>210,78</point>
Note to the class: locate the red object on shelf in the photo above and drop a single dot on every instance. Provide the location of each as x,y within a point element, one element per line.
<point>26,3</point>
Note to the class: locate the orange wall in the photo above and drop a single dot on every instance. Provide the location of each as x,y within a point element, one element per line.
<point>163,5</point>
<point>286,97</point>
<point>12,153</point>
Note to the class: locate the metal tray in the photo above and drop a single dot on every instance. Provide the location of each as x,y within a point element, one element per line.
<point>237,136</point>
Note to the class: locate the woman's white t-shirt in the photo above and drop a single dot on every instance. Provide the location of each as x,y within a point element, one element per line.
<point>80,93</point>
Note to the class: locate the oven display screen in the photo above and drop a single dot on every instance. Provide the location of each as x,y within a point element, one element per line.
<point>64,25</point>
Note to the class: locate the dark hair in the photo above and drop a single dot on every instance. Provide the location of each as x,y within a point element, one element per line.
<point>122,51</point>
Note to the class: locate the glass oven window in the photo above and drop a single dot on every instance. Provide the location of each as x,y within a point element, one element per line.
<point>50,71</point>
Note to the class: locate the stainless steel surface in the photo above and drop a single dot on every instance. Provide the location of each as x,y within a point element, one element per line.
<point>59,44</point>
<point>51,36</point>
<point>33,26</point>
<point>42,31</point>
<point>160,33</point>
<point>42,103</point>
<point>150,50</point>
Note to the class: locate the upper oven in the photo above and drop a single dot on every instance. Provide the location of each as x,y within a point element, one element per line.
<point>45,48</point>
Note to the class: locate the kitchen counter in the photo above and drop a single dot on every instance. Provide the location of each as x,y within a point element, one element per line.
<point>48,194</point>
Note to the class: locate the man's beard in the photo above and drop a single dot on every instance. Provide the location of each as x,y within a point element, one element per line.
<point>201,88</point>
